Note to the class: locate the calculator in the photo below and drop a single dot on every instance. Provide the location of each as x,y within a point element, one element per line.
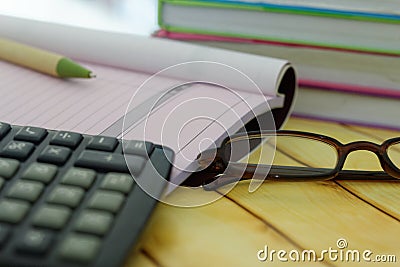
<point>70,199</point>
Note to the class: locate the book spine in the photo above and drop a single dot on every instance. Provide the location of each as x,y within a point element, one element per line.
<point>291,9</point>
<point>372,50</point>
<point>184,36</point>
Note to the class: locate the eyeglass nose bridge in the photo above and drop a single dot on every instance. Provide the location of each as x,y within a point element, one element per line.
<point>346,149</point>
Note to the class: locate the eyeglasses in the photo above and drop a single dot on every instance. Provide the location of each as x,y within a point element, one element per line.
<point>290,156</point>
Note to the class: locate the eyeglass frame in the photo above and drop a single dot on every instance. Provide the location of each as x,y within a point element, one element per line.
<point>217,162</point>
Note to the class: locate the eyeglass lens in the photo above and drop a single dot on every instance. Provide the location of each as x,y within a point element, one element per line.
<point>393,152</point>
<point>285,151</point>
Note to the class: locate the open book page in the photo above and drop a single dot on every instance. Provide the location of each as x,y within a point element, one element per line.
<point>210,100</point>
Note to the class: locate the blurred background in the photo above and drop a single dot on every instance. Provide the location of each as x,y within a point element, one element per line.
<point>130,16</point>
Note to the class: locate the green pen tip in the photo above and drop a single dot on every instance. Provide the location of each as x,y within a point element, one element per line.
<point>67,68</point>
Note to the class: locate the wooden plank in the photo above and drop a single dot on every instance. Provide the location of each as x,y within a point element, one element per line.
<point>384,195</point>
<point>218,234</point>
<point>138,258</point>
<point>317,214</point>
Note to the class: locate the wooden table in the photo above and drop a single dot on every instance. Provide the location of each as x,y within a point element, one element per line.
<point>283,216</point>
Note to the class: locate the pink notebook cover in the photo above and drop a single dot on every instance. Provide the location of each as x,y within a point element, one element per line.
<point>336,86</point>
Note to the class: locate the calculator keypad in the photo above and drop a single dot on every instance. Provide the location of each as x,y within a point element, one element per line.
<point>63,193</point>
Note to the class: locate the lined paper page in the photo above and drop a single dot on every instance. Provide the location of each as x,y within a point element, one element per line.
<point>87,106</point>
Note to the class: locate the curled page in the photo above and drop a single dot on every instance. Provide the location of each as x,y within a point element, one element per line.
<point>118,50</point>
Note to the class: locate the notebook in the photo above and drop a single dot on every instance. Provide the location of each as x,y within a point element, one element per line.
<point>197,97</point>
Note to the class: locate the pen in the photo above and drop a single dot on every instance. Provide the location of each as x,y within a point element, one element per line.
<point>41,60</point>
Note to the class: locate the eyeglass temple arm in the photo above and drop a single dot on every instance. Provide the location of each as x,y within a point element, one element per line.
<point>298,173</point>
<point>363,175</point>
<point>302,173</point>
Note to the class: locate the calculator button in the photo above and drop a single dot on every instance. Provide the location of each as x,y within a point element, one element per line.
<point>79,248</point>
<point>41,172</point>
<point>31,134</point>
<point>5,232</point>
<point>102,161</point>
<point>94,222</point>
<point>8,167</point>
<point>13,211</point>
<point>52,216</point>
<point>106,200</point>
<point>140,148</point>
<point>79,177</point>
<point>103,143</point>
<point>36,242</point>
<point>4,129</point>
<point>68,139</point>
<point>117,181</point>
<point>66,195</point>
<point>17,150</point>
<point>26,190</point>
<point>55,154</point>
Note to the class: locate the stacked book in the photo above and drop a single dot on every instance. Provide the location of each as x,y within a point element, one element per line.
<point>346,52</point>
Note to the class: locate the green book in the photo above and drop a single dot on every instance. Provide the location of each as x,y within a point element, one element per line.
<point>344,25</point>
